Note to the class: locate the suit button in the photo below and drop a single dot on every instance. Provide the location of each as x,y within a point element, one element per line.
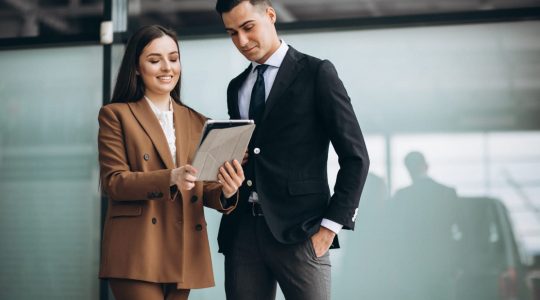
<point>154,220</point>
<point>256,150</point>
<point>194,199</point>
<point>198,227</point>
<point>249,183</point>
<point>146,156</point>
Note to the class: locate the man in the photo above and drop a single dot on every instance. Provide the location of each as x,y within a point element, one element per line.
<point>286,221</point>
<point>426,217</point>
<point>423,187</point>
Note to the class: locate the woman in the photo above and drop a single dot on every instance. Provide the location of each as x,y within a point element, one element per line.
<point>155,244</point>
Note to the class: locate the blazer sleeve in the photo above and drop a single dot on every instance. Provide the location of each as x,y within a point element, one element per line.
<point>117,180</point>
<point>212,198</point>
<point>346,137</point>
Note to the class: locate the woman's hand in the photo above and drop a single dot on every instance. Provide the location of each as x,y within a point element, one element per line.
<point>184,177</point>
<point>231,177</point>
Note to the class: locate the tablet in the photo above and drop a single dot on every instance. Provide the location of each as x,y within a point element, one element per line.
<point>219,124</point>
<point>221,141</point>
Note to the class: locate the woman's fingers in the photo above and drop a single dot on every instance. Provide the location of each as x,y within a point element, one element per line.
<point>187,177</point>
<point>190,170</point>
<point>236,173</point>
<point>231,177</point>
<point>226,171</point>
<point>239,169</point>
<point>187,185</point>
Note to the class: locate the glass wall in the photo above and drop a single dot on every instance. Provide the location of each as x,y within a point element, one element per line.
<point>49,199</point>
<point>466,96</point>
<point>461,95</point>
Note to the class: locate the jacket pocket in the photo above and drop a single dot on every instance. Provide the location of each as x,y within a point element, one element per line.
<point>123,210</point>
<point>306,187</point>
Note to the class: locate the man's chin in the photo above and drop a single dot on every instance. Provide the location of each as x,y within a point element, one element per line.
<point>252,57</point>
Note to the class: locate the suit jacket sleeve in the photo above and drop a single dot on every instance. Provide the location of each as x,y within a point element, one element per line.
<point>346,137</point>
<point>117,180</point>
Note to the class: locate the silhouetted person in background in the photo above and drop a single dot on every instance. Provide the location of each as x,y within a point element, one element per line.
<point>423,214</point>
<point>422,185</point>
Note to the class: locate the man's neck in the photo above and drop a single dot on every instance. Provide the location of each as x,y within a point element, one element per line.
<point>275,47</point>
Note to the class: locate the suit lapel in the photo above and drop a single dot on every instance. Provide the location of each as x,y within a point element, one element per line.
<point>146,117</point>
<point>289,69</point>
<point>182,131</point>
<point>236,85</point>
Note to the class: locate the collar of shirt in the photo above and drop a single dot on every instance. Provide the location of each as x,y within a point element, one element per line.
<point>275,61</point>
<point>156,109</point>
<point>166,121</point>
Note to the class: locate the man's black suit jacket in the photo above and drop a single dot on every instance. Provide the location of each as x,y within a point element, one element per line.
<point>307,108</point>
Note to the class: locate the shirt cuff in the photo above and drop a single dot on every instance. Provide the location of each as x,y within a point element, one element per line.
<point>335,227</point>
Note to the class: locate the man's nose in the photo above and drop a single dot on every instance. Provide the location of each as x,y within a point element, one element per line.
<point>243,40</point>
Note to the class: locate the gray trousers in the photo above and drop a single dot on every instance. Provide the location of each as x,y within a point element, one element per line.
<point>257,261</point>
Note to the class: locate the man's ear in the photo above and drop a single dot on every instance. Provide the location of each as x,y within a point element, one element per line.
<point>271,14</point>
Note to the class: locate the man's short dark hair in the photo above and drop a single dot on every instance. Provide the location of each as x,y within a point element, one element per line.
<point>223,6</point>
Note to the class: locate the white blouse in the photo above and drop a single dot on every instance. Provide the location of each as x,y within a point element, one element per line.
<point>167,124</point>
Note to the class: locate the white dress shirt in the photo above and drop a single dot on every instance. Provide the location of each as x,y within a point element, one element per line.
<point>244,98</point>
<point>167,124</point>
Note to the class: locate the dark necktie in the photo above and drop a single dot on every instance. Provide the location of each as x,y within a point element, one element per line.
<point>256,104</point>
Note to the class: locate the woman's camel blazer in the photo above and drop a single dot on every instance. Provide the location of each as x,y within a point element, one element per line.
<point>153,232</point>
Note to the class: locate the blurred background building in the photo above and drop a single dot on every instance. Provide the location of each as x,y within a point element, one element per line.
<point>457,80</point>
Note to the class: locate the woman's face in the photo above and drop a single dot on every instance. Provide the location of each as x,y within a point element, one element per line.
<point>159,66</point>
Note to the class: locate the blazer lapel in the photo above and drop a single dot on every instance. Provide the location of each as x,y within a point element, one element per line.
<point>236,84</point>
<point>289,69</point>
<point>182,131</point>
<point>146,117</point>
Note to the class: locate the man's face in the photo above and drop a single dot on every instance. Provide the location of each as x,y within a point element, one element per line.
<point>252,30</point>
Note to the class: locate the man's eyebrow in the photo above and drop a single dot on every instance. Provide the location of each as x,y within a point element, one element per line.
<point>242,25</point>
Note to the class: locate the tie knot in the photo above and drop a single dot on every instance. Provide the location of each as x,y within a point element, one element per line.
<point>261,68</point>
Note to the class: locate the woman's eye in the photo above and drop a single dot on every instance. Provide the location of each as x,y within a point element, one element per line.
<point>154,61</point>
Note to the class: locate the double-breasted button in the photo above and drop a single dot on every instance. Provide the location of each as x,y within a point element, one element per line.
<point>249,183</point>
<point>194,199</point>
<point>146,156</point>
<point>154,220</point>
<point>198,227</point>
<point>256,150</point>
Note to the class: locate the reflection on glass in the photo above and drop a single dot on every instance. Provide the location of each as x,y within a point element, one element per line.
<point>50,18</point>
<point>49,203</point>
